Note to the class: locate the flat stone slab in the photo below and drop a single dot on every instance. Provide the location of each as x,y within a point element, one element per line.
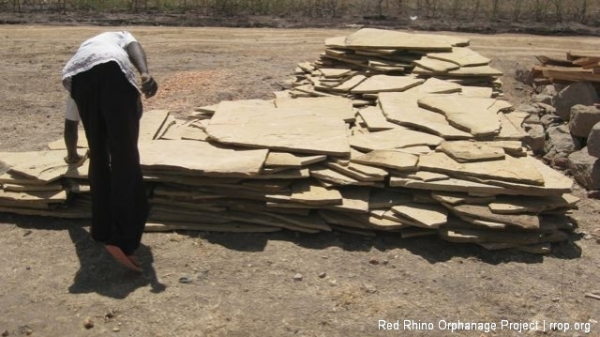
<point>335,107</point>
<point>289,129</point>
<point>478,116</point>
<point>381,38</point>
<point>386,83</point>
<point>308,192</point>
<point>518,170</point>
<point>469,151</point>
<point>463,72</point>
<point>23,198</point>
<point>391,159</point>
<point>151,124</point>
<point>44,166</point>
<point>427,215</point>
<point>393,139</point>
<point>483,212</point>
<point>375,119</point>
<point>436,65</point>
<point>437,86</point>
<point>403,108</point>
<point>530,205</point>
<point>284,159</point>
<point>201,157</point>
<point>461,56</point>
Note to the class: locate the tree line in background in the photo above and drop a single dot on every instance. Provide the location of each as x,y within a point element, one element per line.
<point>550,11</point>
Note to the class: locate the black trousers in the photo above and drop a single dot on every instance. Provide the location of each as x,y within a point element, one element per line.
<point>109,109</point>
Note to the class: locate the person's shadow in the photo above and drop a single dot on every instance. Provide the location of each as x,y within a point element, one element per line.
<point>99,273</point>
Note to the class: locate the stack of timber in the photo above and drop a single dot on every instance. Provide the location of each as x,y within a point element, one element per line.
<point>370,61</point>
<point>575,67</point>
<point>428,160</point>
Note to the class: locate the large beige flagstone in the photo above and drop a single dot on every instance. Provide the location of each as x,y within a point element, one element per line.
<point>426,215</point>
<point>509,131</point>
<point>450,185</point>
<point>393,139</point>
<point>435,65</point>
<point>44,166</point>
<point>475,91</point>
<point>10,187</point>
<point>348,84</point>
<point>308,192</point>
<point>519,170</point>
<point>386,83</point>
<point>288,129</point>
<point>518,205</point>
<point>437,86</point>
<point>403,108</point>
<point>478,116</point>
<point>469,151</point>
<point>354,171</point>
<point>151,123</point>
<point>375,119</point>
<point>334,107</point>
<point>284,159</point>
<point>452,198</point>
<point>555,183</point>
<point>392,159</point>
<point>381,38</point>
<point>335,72</point>
<point>202,157</point>
<point>34,196</point>
<point>462,72</point>
<point>483,212</point>
<point>464,57</point>
<point>335,177</point>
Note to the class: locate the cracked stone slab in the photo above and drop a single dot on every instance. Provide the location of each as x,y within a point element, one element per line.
<point>403,108</point>
<point>478,116</point>
<point>393,139</point>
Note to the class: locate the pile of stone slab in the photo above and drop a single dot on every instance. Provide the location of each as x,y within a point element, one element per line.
<point>371,61</point>
<point>425,160</point>
<point>576,66</point>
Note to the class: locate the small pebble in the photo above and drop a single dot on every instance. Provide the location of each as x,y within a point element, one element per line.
<point>116,329</point>
<point>88,323</point>
<point>185,279</point>
<point>5,333</point>
<point>322,275</point>
<point>298,277</point>
<point>373,261</point>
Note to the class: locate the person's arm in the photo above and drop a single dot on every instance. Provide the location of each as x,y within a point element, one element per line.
<point>137,55</point>
<point>71,137</point>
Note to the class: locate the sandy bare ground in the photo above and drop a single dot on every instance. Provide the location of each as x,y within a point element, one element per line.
<point>53,278</point>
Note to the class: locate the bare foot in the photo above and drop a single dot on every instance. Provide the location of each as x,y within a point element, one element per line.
<point>123,259</point>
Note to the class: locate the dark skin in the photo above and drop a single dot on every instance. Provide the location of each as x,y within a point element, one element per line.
<point>71,137</point>
<point>137,55</point>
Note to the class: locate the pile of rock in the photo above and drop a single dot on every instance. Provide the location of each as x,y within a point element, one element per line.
<point>434,158</point>
<point>370,61</point>
<point>563,126</point>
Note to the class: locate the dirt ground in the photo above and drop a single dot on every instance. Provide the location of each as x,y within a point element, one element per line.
<point>53,278</point>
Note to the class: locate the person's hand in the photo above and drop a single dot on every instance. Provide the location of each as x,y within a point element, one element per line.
<point>149,85</point>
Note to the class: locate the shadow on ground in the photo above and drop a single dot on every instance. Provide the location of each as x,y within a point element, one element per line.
<point>101,274</point>
<point>98,272</point>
